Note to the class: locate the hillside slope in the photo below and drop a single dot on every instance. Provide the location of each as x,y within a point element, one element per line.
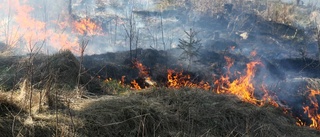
<point>157,112</point>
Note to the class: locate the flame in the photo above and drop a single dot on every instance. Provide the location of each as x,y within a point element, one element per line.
<point>23,25</point>
<point>107,80</point>
<point>26,28</point>
<point>63,41</point>
<point>178,80</point>
<point>173,81</point>
<point>299,122</point>
<point>135,85</point>
<point>143,71</point>
<point>243,87</point>
<point>267,99</point>
<point>312,110</point>
<point>87,27</point>
<point>230,63</point>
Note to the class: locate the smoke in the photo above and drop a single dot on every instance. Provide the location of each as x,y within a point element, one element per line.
<point>33,25</point>
<point>47,26</point>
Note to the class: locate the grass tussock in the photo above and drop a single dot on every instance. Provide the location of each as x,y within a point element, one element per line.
<point>54,118</point>
<point>165,112</point>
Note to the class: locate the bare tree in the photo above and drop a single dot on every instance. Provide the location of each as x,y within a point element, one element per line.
<point>33,50</point>
<point>82,48</point>
<point>45,18</point>
<point>131,32</point>
<point>83,44</point>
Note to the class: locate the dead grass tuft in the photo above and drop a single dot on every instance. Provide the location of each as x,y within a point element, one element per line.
<point>185,113</point>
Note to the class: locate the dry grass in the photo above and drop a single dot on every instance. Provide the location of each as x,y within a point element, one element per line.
<point>153,112</point>
<point>15,119</point>
<point>185,113</point>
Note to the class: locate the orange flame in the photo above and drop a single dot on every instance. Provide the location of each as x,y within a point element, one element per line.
<point>299,122</point>
<point>312,110</point>
<point>86,27</point>
<point>178,80</point>
<point>107,80</point>
<point>22,26</point>
<point>243,87</point>
<point>135,85</point>
<point>63,41</point>
<point>230,63</point>
<point>267,99</point>
<point>143,71</point>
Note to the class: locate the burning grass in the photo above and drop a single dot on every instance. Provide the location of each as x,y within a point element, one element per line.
<point>167,111</point>
<point>245,88</point>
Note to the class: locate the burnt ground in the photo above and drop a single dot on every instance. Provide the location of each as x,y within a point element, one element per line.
<point>287,79</point>
<point>287,53</point>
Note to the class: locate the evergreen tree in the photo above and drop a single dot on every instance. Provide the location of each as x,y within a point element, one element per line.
<point>190,47</point>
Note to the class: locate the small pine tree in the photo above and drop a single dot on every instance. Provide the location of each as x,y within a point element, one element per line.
<point>190,47</point>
